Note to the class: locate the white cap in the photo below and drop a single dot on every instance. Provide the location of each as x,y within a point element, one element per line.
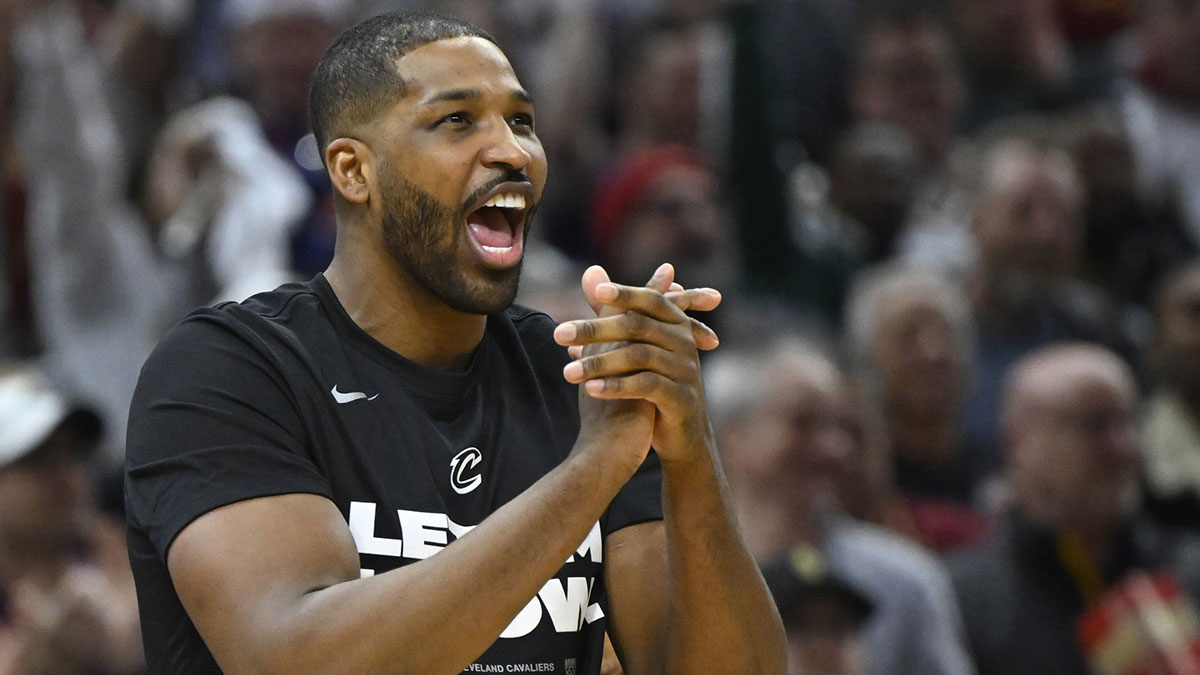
<point>31,408</point>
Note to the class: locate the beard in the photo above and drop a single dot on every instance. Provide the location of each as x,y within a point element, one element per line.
<point>415,228</point>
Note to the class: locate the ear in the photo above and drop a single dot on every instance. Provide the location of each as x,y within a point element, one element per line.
<point>351,169</point>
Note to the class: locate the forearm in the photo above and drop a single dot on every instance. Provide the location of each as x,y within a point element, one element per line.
<point>720,616</point>
<point>440,614</point>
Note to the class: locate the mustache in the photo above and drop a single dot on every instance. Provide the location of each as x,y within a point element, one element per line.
<point>510,176</point>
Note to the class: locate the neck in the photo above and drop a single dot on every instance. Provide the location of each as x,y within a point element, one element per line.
<point>387,303</point>
<point>932,439</point>
<point>32,559</point>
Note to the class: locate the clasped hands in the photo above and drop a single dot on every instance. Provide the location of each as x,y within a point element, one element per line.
<point>638,361</point>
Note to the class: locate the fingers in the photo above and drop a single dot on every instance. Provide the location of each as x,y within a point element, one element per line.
<point>637,328</point>
<point>593,277</point>
<point>699,299</point>
<point>630,358</point>
<point>668,395</point>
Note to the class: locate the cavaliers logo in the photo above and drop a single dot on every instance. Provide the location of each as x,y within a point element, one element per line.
<point>569,667</point>
<point>463,476</point>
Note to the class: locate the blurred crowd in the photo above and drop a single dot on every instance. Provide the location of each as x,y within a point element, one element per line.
<point>958,391</point>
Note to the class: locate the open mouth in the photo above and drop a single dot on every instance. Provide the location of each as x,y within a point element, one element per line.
<point>497,228</point>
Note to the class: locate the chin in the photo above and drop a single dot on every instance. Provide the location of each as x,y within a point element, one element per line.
<point>496,294</point>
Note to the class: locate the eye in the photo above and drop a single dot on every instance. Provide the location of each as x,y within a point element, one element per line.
<point>456,119</point>
<point>522,120</point>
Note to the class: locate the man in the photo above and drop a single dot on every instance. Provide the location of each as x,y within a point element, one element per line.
<point>296,461</point>
<point>1025,287</point>
<point>1072,532</point>
<point>1170,431</point>
<point>790,445</point>
<point>823,614</point>
<point>66,596</point>
<point>910,336</point>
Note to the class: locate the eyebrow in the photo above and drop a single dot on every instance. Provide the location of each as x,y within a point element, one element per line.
<point>474,94</point>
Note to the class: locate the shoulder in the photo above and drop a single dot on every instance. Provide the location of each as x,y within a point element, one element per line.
<point>890,563</point>
<point>533,330</point>
<point>227,352</point>
<point>886,550</point>
<point>984,569</point>
<point>254,320</point>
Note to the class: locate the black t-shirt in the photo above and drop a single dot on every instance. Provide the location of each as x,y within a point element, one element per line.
<point>284,393</point>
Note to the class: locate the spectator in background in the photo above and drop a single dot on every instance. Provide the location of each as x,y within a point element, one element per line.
<point>906,73</point>
<point>665,92</point>
<point>67,603</point>
<point>663,202</point>
<point>1129,238</point>
<point>890,178</point>
<point>823,614</point>
<point>777,415</point>
<point>273,49</point>
<point>1016,56</point>
<point>1024,286</point>
<point>910,337</point>
<point>1170,430</point>
<point>1072,530</point>
<point>125,236</point>
<point>1159,106</point>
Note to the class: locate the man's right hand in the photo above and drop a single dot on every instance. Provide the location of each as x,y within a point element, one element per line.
<point>628,423</point>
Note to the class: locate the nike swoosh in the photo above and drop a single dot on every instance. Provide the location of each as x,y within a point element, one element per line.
<point>348,396</point>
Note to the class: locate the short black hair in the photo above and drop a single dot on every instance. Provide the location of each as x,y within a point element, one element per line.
<point>357,76</point>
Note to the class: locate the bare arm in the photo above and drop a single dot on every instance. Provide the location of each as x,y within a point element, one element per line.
<point>716,614</point>
<point>272,583</point>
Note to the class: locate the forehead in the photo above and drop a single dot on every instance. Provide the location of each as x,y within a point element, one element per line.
<point>462,63</point>
<point>1079,383</point>
<point>802,384</point>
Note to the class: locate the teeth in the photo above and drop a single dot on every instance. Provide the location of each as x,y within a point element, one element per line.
<point>507,201</point>
<point>497,249</point>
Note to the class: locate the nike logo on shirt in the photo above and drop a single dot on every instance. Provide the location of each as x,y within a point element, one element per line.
<point>348,396</point>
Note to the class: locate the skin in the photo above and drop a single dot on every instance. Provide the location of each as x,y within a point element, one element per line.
<point>294,602</point>
<point>63,615</point>
<point>1028,226</point>
<point>1069,438</point>
<point>909,77</point>
<point>788,455</point>
<point>923,374</point>
<point>1175,351</point>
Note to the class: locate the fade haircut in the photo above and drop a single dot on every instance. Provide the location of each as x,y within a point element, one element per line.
<point>357,78</point>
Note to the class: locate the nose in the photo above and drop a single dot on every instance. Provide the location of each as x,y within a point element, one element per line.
<point>932,344</point>
<point>503,150</point>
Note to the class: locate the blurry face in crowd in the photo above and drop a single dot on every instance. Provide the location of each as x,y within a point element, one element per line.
<point>43,494</point>
<point>1176,349</point>
<point>663,93</point>
<point>873,179</point>
<point>678,220</point>
<point>793,447</point>
<point>1027,224</point>
<point>823,638</point>
<point>1010,39</point>
<point>276,57</point>
<point>464,131</point>
<point>1170,33</point>
<point>918,355</point>
<point>1072,444</point>
<point>867,474</point>
<point>908,77</point>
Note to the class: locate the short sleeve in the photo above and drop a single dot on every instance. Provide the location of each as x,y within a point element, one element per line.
<point>641,498</point>
<point>212,422</point>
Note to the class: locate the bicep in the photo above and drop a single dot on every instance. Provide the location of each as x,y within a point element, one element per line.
<point>635,569</point>
<point>243,570</point>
